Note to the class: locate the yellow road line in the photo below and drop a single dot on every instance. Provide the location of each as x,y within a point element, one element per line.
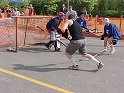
<point>35,81</point>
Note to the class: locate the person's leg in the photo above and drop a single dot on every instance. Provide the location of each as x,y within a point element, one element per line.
<point>111,45</point>
<point>49,44</point>
<point>55,46</point>
<point>82,50</point>
<point>52,40</point>
<point>90,57</point>
<point>105,43</point>
<point>70,57</point>
<point>58,45</point>
<point>70,50</point>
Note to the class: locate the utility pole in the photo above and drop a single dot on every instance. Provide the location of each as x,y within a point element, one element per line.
<point>68,4</point>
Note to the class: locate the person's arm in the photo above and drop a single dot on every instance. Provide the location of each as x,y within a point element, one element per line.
<point>78,20</point>
<point>66,24</point>
<point>116,32</point>
<point>85,24</point>
<point>75,14</point>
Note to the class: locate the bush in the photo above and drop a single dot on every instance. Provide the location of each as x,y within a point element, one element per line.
<point>122,12</point>
<point>112,13</point>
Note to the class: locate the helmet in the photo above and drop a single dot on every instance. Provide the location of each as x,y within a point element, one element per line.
<point>61,14</point>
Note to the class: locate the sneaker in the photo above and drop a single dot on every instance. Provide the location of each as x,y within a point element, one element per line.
<point>12,50</point>
<point>100,65</point>
<point>57,49</point>
<point>112,51</point>
<point>47,46</point>
<point>73,67</point>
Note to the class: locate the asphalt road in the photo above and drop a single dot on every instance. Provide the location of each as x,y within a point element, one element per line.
<point>35,69</point>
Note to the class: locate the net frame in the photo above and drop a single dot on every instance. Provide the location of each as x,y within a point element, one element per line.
<point>26,25</point>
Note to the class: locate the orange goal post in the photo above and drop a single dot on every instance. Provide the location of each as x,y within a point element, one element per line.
<point>27,30</point>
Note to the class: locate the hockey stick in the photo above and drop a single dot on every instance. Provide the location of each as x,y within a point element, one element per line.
<point>42,30</point>
<point>101,52</point>
<point>61,42</point>
<point>56,38</point>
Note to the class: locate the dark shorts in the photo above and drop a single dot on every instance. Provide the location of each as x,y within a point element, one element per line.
<point>106,35</point>
<point>75,45</point>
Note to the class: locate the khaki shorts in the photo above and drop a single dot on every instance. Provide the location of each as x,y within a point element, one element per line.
<point>75,45</point>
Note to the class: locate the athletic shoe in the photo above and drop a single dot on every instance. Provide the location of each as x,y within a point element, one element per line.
<point>100,65</point>
<point>47,46</point>
<point>57,49</point>
<point>12,50</point>
<point>73,67</point>
<point>112,51</point>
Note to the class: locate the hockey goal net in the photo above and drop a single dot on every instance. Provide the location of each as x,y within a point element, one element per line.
<point>19,31</point>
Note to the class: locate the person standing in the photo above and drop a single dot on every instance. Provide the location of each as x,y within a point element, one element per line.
<point>31,10</point>
<point>111,35</point>
<point>26,11</point>
<point>63,9</point>
<point>8,12</point>
<point>16,12</point>
<point>52,27</point>
<point>71,11</point>
<point>77,42</point>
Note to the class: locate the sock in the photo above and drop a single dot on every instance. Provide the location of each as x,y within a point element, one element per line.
<point>95,60</point>
<point>73,61</point>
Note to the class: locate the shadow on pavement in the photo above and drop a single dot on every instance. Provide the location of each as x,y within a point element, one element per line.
<point>35,50</point>
<point>44,69</point>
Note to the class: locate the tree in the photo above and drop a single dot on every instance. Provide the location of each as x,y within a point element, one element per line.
<point>4,3</point>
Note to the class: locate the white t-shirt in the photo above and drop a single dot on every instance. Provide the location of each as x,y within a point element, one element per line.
<point>16,13</point>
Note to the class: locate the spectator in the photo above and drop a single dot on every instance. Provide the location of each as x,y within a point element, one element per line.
<point>16,12</point>
<point>63,9</point>
<point>22,13</point>
<point>31,10</point>
<point>8,12</point>
<point>71,11</point>
<point>26,11</point>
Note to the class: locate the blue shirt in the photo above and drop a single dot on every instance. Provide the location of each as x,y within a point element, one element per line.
<point>112,31</point>
<point>53,24</point>
<point>82,22</point>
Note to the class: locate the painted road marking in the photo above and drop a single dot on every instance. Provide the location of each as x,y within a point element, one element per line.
<point>35,81</point>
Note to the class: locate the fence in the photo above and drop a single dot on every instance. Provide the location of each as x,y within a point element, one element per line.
<point>21,30</point>
<point>98,24</point>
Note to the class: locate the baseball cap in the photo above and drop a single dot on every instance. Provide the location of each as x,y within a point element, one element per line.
<point>106,20</point>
